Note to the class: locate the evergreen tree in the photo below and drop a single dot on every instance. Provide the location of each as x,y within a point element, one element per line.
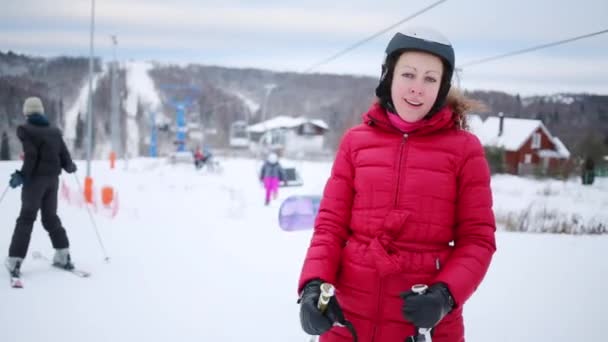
<point>79,133</point>
<point>519,105</point>
<point>140,121</point>
<point>5,152</point>
<point>60,115</point>
<point>50,111</point>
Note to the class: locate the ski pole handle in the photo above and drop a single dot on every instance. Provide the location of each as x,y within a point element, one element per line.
<point>426,332</point>
<point>327,291</point>
<point>419,288</point>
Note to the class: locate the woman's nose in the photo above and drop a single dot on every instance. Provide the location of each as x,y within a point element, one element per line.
<point>416,90</point>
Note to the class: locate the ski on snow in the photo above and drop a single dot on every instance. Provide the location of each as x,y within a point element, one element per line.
<point>75,271</point>
<point>15,278</point>
<point>16,281</point>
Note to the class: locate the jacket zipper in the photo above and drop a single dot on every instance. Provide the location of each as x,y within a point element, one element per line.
<point>379,293</point>
<point>401,148</point>
<point>378,307</point>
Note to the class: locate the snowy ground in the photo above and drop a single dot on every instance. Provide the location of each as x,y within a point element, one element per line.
<point>197,257</point>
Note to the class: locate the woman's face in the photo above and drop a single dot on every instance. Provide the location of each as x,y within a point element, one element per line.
<point>416,81</point>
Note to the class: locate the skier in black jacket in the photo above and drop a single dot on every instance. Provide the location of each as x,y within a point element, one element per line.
<point>45,154</point>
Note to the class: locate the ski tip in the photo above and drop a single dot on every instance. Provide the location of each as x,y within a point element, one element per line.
<point>16,284</point>
<point>81,273</point>
<point>37,255</point>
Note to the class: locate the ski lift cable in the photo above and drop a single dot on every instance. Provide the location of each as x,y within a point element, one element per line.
<point>375,35</point>
<point>530,49</point>
<point>359,43</point>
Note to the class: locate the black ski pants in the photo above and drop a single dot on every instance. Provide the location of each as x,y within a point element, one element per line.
<point>40,192</point>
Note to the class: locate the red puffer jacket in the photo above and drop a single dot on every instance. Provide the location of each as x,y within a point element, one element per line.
<point>399,210</point>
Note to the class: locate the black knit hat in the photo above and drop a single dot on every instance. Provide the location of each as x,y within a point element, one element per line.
<point>425,40</point>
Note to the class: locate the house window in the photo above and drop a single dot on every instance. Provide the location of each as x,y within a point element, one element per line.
<point>527,158</point>
<point>536,140</point>
<point>307,129</point>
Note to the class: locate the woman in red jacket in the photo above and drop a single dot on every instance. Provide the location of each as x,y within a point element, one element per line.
<point>408,202</point>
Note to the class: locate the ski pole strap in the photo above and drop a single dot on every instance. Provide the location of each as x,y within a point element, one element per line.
<point>328,291</point>
<point>352,330</point>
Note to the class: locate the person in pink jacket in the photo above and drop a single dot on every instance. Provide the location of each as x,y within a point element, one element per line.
<point>408,202</point>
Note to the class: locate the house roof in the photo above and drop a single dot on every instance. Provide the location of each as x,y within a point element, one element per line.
<point>475,123</point>
<point>514,134</point>
<point>561,148</point>
<point>284,122</point>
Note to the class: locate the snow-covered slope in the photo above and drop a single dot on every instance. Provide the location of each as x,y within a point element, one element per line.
<point>80,106</point>
<point>198,257</point>
<point>140,88</point>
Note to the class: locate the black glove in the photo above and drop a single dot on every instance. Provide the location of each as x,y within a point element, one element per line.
<point>16,179</point>
<point>313,321</point>
<point>71,168</point>
<point>426,310</point>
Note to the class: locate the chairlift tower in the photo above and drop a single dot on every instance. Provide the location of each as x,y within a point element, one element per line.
<point>153,151</point>
<point>181,102</point>
<point>115,131</point>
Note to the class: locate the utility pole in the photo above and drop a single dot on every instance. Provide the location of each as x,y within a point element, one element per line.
<point>269,88</point>
<point>458,73</point>
<point>115,117</point>
<point>88,186</point>
<point>90,97</point>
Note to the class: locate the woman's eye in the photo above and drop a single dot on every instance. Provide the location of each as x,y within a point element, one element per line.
<point>408,75</point>
<point>430,79</point>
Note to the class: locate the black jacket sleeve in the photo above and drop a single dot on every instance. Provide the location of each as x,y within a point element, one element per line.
<point>64,156</point>
<point>30,154</point>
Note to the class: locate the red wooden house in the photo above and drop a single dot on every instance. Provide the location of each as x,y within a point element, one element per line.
<point>528,145</point>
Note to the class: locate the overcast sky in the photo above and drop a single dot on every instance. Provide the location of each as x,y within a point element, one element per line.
<point>287,35</point>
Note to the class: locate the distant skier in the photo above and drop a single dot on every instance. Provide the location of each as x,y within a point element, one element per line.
<point>198,158</point>
<point>588,171</point>
<point>202,157</point>
<point>45,154</point>
<point>272,174</point>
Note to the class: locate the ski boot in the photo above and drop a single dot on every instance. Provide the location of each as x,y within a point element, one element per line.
<point>13,265</point>
<point>62,259</point>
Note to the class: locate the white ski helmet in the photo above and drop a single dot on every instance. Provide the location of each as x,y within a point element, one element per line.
<point>416,39</point>
<point>272,158</point>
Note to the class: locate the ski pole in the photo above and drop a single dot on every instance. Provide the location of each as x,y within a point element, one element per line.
<point>327,291</point>
<point>106,257</point>
<point>424,334</point>
<point>4,193</point>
